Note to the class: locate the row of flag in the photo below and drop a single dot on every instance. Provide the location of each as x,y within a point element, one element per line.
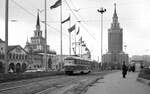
<point>57,4</point>
<point>72,28</point>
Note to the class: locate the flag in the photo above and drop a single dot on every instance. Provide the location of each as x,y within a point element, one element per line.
<point>68,19</point>
<point>80,39</point>
<point>71,28</point>
<point>78,31</point>
<point>57,4</point>
<point>86,49</point>
<point>84,45</point>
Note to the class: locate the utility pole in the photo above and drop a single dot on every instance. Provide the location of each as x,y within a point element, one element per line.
<point>70,36</point>
<point>6,35</point>
<point>102,10</point>
<point>46,65</point>
<point>61,35</point>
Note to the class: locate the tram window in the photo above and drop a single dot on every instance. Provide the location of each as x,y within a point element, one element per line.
<point>75,61</point>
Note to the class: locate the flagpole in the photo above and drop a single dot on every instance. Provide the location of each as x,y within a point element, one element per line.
<point>61,34</point>
<point>80,49</point>
<point>46,67</point>
<point>75,40</point>
<point>70,35</point>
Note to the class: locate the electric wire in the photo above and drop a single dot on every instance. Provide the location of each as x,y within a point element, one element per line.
<point>24,9</point>
<point>79,20</point>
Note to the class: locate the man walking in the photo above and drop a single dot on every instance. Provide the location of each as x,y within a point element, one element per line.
<point>124,70</point>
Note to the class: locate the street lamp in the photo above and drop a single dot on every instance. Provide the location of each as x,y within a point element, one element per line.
<point>102,10</point>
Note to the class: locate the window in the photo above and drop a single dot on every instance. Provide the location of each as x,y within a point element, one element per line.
<point>13,56</point>
<point>10,56</point>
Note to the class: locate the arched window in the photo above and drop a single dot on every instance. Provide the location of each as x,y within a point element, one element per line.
<point>19,56</point>
<point>16,56</point>
<point>23,57</point>
<point>9,55</point>
<point>26,57</point>
<point>13,56</point>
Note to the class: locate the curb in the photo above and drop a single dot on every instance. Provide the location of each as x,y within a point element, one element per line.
<point>142,80</point>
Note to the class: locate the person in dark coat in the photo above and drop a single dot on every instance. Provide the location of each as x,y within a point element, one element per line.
<point>124,70</point>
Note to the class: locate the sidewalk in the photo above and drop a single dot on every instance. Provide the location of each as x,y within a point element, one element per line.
<point>115,84</point>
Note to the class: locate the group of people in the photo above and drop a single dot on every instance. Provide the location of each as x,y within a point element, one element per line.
<point>126,68</point>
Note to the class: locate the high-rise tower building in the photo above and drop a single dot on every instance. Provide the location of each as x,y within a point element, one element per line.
<point>115,55</point>
<point>115,37</point>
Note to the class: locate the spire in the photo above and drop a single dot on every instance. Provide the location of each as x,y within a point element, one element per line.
<point>115,13</point>
<point>38,21</point>
<point>115,23</point>
<point>27,41</point>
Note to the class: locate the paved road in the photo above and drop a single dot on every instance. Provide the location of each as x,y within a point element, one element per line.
<point>115,84</point>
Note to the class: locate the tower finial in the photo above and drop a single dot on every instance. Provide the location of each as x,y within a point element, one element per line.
<point>27,42</point>
<point>115,6</point>
<point>115,13</point>
<point>38,20</point>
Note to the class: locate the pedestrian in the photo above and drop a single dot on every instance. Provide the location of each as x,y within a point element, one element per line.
<point>124,70</point>
<point>133,70</point>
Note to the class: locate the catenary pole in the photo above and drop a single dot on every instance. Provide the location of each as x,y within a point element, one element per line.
<point>6,35</point>
<point>70,35</point>
<point>61,35</point>
<point>46,65</point>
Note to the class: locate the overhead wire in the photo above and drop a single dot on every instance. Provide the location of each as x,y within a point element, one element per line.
<point>79,20</point>
<point>24,9</point>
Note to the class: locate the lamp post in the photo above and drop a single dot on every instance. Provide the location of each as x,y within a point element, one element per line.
<point>102,10</point>
<point>6,36</point>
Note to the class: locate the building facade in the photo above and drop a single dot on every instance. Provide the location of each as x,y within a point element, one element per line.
<point>115,55</point>
<point>17,58</point>
<point>36,49</point>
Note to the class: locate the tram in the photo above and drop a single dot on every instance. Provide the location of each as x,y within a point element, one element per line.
<point>74,65</point>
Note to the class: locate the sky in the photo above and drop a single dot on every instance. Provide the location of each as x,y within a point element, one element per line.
<point>134,18</point>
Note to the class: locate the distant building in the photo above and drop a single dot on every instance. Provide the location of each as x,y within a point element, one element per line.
<point>36,49</point>
<point>17,58</point>
<point>115,55</point>
<point>140,59</point>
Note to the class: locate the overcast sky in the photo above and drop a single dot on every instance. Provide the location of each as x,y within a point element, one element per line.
<point>134,18</point>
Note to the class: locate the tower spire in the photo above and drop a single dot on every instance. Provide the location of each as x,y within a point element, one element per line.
<point>38,21</point>
<point>115,17</point>
<point>115,23</point>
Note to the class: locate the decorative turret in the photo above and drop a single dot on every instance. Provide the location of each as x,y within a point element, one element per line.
<point>27,42</point>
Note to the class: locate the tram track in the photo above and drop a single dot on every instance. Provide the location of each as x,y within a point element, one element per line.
<point>37,86</point>
<point>51,84</point>
<point>29,83</point>
<point>11,84</point>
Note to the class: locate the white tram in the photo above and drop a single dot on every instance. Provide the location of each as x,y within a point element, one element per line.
<point>74,64</point>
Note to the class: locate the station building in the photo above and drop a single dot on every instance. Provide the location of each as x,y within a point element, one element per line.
<point>17,58</point>
<point>36,49</point>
